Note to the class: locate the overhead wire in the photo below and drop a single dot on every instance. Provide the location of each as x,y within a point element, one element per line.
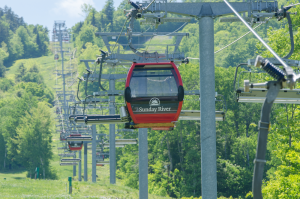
<point>233,41</point>
<point>165,34</point>
<point>119,36</point>
<point>174,30</point>
<point>149,43</point>
<point>239,38</point>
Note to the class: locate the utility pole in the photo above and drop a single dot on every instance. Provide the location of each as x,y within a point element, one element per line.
<point>94,162</point>
<point>85,161</point>
<point>143,163</point>
<point>79,166</point>
<point>74,167</point>
<point>112,136</point>
<point>207,107</point>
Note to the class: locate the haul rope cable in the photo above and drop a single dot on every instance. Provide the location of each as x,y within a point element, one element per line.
<point>119,36</point>
<point>239,38</point>
<point>233,41</point>
<point>174,30</point>
<point>166,34</point>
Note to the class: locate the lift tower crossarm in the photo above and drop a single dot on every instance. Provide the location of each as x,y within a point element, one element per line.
<point>217,8</point>
<point>104,35</point>
<point>138,34</point>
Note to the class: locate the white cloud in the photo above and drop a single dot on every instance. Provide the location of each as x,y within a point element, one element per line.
<point>72,7</point>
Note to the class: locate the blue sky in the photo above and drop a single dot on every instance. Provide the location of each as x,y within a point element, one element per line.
<point>45,12</point>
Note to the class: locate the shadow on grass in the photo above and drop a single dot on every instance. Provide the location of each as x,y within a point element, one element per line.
<point>19,178</point>
<point>13,171</point>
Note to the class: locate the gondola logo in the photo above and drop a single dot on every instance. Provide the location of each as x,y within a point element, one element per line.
<point>154,102</point>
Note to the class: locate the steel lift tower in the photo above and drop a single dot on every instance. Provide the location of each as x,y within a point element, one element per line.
<point>205,13</point>
<point>61,35</point>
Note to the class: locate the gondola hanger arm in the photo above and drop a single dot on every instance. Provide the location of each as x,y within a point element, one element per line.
<point>289,72</point>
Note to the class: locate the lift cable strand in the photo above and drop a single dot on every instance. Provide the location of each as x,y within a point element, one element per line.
<point>232,42</point>
<point>119,36</point>
<point>166,34</point>
<point>173,31</point>
<point>239,38</point>
<point>286,67</point>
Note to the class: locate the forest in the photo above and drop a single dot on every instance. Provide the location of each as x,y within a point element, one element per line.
<point>174,156</point>
<point>25,102</point>
<point>19,40</point>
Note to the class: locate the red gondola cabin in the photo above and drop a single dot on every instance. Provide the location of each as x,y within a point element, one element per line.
<point>75,145</point>
<point>154,95</point>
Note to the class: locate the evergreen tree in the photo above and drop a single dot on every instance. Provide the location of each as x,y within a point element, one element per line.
<point>38,42</point>
<point>34,139</point>
<point>109,12</point>
<point>93,21</point>
<point>2,69</point>
<point>23,41</point>
<point>21,73</point>
<point>102,23</point>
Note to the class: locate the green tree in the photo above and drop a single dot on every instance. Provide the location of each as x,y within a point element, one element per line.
<point>34,140</point>
<point>87,34</point>
<point>16,49</point>
<point>6,84</point>
<point>21,73</point>
<point>11,111</point>
<point>284,148</point>
<point>33,75</point>
<point>109,12</point>
<point>30,47</point>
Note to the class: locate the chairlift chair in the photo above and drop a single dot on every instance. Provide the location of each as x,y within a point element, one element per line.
<point>56,56</point>
<point>154,95</point>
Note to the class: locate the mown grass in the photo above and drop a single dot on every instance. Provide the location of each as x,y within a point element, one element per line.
<point>14,187</point>
<point>17,185</point>
<point>47,66</point>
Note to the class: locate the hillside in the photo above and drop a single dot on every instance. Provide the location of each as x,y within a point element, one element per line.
<point>28,136</point>
<point>17,185</point>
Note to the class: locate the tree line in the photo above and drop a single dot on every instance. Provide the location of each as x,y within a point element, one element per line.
<point>25,102</point>
<point>26,122</point>
<point>174,156</point>
<point>18,40</point>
